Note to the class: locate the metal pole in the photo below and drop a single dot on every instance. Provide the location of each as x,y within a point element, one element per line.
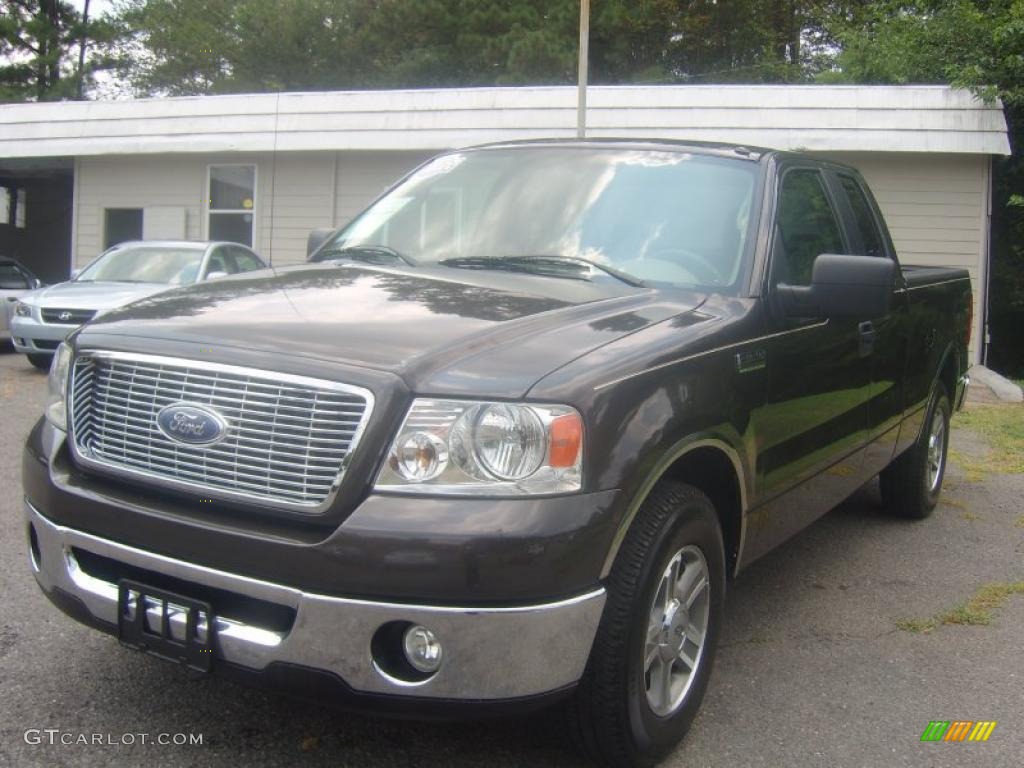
<point>581,103</point>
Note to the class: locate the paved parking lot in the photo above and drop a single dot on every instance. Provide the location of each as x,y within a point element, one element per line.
<point>813,671</point>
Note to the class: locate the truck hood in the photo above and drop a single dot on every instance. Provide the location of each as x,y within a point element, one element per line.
<point>92,295</point>
<point>441,331</point>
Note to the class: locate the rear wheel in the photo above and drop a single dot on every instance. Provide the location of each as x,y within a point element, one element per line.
<point>912,483</point>
<point>652,656</point>
<point>42,362</point>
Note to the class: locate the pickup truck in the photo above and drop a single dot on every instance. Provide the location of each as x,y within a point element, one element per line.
<point>505,440</point>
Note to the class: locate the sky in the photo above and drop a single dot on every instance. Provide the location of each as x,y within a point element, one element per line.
<point>96,7</point>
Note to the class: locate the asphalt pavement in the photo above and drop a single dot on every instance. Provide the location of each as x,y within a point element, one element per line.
<point>813,670</point>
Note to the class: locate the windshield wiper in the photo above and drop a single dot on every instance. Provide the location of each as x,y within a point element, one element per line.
<point>542,264</point>
<point>370,254</point>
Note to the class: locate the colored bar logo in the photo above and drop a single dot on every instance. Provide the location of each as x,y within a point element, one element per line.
<point>958,730</point>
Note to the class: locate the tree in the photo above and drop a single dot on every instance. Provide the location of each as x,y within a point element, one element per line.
<point>195,46</point>
<point>41,41</point>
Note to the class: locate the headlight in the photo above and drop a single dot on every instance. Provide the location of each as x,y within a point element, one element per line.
<point>56,408</point>
<point>21,309</point>
<point>489,449</point>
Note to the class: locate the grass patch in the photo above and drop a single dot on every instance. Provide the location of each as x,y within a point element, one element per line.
<point>979,610</point>
<point>916,625</point>
<point>1002,427</point>
<point>970,516</point>
<point>1020,522</point>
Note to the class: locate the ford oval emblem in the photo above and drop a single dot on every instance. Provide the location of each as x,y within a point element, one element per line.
<point>191,424</point>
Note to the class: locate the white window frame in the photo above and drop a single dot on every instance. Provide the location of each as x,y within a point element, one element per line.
<point>208,199</point>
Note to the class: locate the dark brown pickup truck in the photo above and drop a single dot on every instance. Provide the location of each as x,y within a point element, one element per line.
<point>505,440</point>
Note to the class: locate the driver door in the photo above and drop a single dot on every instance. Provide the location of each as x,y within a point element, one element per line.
<point>813,425</point>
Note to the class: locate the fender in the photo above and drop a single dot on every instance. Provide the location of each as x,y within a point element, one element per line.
<point>668,458</point>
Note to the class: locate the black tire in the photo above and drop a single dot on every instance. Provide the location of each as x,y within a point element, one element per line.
<point>609,716</point>
<point>42,362</point>
<point>909,487</point>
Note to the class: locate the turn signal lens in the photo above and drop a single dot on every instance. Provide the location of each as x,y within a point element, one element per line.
<point>565,439</point>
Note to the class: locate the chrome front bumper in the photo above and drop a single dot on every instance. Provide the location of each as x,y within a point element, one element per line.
<point>489,653</point>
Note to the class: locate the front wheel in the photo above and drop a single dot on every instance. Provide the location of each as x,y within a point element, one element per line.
<point>912,483</point>
<point>42,362</point>
<point>652,656</point>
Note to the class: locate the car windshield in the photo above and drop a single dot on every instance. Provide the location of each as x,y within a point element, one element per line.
<point>145,264</point>
<point>669,217</point>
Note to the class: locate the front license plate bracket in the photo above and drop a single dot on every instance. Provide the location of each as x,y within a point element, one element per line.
<point>165,624</point>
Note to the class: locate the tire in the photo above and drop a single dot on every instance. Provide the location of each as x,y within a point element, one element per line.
<point>42,362</point>
<point>912,483</point>
<point>611,716</point>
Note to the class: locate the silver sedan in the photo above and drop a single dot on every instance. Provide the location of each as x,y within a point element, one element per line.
<point>122,274</point>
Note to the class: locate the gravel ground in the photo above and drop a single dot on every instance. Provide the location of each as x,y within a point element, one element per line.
<point>813,670</point>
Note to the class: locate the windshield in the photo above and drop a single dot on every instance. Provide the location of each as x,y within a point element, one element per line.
<point>146,264</point>
<point>657,216</point>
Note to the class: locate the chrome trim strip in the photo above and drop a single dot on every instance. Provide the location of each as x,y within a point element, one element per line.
<point>213,491</point>
<point>541,647</point>
<point>667,460</point>
<point>707,352</point>
<point>933,285</point>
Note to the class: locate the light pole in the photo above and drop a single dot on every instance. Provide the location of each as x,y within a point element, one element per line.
<point>581,70</point>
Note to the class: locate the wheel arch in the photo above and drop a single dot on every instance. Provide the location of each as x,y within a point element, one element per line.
<point>712,465</point>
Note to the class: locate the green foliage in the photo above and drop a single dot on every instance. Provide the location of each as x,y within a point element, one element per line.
<point>194,46</point>
<point>39,46</point>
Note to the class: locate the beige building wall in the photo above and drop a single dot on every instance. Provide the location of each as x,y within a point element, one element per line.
<point>295,192</point>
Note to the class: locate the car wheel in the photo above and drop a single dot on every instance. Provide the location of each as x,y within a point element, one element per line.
<point>912,483</point>
<point>652,656</point>
<point>42,362</point>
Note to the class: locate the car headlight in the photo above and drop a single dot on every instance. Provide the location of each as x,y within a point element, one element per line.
<point>488,449</point>
<point>21,309</point>
<point>56,407</point>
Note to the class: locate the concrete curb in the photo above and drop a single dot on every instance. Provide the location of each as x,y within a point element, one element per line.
<point>1004,389</point>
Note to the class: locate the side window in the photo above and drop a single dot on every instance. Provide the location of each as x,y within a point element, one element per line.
<point>218,262</point>
<point>805,227</point>
<point>246,261</point>
<point>870,237</point>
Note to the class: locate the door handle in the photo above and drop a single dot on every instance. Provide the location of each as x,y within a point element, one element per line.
<point>866,332</point>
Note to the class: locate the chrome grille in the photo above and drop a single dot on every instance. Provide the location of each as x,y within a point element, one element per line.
<point>288,438</point>
<point>67,316</point>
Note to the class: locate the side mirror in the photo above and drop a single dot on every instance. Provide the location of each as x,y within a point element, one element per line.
<point>36,283</point>
<point>842,286</point>
<point>316,238</point>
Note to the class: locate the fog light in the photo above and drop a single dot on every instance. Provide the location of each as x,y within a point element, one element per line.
<point>422,649</point>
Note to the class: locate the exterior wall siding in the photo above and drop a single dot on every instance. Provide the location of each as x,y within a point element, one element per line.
<point>296,192</point>
<point>134,182</point>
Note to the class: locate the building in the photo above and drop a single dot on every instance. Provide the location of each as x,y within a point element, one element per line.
<point>266,169</point>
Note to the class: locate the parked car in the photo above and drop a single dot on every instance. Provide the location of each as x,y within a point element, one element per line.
<point>16,280</point>
<point>506,440</point>
<point>119,276</point>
